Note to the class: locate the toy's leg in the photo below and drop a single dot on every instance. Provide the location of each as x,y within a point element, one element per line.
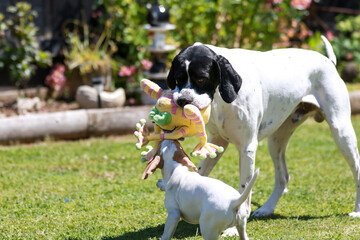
<point>207,164</point>
<point>203,149</point>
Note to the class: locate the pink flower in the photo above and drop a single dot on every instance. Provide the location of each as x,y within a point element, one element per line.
<point>349,56</point>
<point>146,64</point>
<point>125,71</point>
<point>56,79</point>
<point>329,35</point>
<point>132,69</point>
<point>301,4</point>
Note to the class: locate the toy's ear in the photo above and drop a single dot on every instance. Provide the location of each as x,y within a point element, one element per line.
<point>151,89</point>
<point>229,81</point>
<point>156,162</point>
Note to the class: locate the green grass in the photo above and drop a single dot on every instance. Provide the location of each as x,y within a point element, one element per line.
<point>92,189</point>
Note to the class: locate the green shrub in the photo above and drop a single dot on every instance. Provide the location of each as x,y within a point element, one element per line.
<point>19,51</point>
<point>248,24</point>
<point>347,43</point>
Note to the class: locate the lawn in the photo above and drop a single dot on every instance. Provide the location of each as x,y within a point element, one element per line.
<point>91,189</point>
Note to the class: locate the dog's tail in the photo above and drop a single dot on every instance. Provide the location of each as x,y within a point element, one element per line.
<point>247,191</point>
<point>329,50</point>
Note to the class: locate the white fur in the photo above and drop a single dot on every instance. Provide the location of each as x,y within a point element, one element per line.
<point>199,199</point>
<point>274,83</point>
<point>201,100</point>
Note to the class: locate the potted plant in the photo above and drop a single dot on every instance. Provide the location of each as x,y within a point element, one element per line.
<point>88,58</point>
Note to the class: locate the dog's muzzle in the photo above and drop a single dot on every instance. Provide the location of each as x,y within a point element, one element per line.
<point>183,100</point>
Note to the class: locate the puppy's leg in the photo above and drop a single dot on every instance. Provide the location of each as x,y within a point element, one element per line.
<point>209,229</point>
<point>277,144</point>
<point>207,164</point>
<point>241,227</point>
<point>171,224</point>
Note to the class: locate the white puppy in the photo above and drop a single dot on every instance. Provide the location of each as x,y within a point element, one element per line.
<point>195,198</point>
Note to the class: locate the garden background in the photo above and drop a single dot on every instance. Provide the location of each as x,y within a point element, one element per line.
<point>91,189</point>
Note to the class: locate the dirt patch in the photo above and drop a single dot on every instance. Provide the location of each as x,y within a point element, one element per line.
<point>9,109</point>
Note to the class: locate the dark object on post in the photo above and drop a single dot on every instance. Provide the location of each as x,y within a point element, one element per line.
<point>99,86</point>
<point>157,14</point>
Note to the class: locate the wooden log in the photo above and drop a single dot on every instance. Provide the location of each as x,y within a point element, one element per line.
<point>72,124</point>
<point>86,123</point>
<point>355,102</point>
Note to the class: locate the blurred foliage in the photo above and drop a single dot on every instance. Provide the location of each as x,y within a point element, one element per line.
<point>257,25</point>
<point>347,43</point>
<point>88,55</point>
<point>19,51</point>
<point>124,20</point>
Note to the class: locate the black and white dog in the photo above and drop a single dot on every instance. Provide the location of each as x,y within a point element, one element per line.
<point>255,95</point>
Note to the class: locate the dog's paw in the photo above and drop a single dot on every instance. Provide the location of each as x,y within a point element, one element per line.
<point>230,232</point>
<point>355,214</point>
<point>262,212</point>
<point>160,184</point>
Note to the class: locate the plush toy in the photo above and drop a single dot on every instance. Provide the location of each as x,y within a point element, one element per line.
<point>174,122</point>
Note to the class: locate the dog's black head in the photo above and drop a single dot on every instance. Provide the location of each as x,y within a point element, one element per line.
<point>195,74</point>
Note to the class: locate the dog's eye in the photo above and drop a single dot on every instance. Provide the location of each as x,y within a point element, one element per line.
<point>201,81</point>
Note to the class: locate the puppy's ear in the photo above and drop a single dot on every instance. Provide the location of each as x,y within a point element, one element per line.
<point>156,162</point>
<point>229,81</point>
<point>181,157</point>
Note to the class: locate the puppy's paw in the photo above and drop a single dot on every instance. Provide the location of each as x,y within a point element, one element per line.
<point>160,184</point>
<point>355,214</point>
<point>230,232</point>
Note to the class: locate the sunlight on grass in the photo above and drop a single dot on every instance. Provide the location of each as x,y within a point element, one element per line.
<point>91,189</point>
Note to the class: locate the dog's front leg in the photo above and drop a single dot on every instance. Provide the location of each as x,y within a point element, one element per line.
<point>171,224</point>
<point>247,165</point>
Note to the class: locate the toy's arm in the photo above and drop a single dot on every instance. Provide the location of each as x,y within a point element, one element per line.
<point>151,89</point>
<point>194,114</point>
<point>204,148</point>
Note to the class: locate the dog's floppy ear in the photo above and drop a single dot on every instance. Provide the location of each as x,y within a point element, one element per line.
<point>229,81</point>
<point>156,162</point>
<point>181,157</point>
<point>171,80</point>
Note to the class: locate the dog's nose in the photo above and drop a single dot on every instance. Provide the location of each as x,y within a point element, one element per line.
<point>183,100</point>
